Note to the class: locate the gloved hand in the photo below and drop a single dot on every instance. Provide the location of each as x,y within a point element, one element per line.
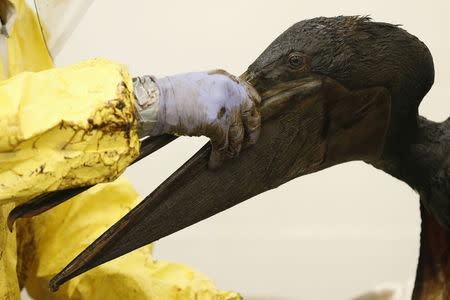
<point>215,104</point>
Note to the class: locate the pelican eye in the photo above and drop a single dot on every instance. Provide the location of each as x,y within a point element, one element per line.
<point>295,61</point>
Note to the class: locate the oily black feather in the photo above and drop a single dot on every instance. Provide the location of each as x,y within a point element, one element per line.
<point>432,152</point>
<point>360,53</point>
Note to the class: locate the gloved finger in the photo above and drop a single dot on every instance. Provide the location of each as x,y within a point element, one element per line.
<point>219,143</point>
<point>251,92</point>
<point>252,122</point>
<point>235,137</point>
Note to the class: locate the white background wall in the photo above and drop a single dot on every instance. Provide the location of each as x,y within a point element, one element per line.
<point>282,244</point>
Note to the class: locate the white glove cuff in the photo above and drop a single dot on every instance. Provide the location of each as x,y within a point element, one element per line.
<point>147,95</point>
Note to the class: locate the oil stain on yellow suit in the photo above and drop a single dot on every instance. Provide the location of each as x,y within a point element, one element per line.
<point>50,138</point>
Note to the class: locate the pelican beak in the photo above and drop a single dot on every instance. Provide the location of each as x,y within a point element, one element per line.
<point>309,124</point>
<point>47,201</point>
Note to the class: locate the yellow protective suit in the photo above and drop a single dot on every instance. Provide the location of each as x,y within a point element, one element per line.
<point>65,127</point>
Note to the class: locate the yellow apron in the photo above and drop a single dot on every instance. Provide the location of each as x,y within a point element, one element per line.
<point>50,139</point>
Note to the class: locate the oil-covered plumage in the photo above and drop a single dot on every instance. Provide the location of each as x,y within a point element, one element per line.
<point>424,164</point>
<point>360,53</point>
<point>333,90</point>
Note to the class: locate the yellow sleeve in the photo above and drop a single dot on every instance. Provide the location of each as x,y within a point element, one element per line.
<point>9,285</point>
<point>27,50</point>
<point>65,127</point>
<point>49,241</point>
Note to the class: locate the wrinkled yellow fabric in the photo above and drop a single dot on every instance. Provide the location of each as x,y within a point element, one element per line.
<point>26,46</point>
<point>9,286</point>
<point>3,75</point>
<point>48,242</point>
<point>65,127</point>
<point>26,52</point>
<point>56,240</point>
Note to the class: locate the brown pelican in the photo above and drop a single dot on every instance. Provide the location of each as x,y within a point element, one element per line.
<point>333,90</point>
